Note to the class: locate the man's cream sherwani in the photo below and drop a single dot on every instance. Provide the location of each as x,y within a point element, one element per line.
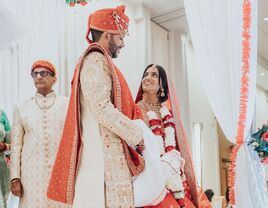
<point>36,132</point>
<point>103,178</point>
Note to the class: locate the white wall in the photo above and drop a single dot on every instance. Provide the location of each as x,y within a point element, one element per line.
<point>136,55</point>
<point>159,46</point>
<point>201,112</point>
<point>194,107</point>
<point>261,107</point>
<point>178,71</point>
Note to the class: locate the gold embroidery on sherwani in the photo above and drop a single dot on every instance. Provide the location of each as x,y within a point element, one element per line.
<point>96,89</point>
<point>36,131</point>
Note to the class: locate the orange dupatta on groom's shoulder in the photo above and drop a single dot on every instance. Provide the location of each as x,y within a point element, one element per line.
<point>62,181</point>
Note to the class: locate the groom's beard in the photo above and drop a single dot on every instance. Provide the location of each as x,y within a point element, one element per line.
<point>113,48</point>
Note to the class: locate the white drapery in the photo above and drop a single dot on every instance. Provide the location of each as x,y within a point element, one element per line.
<point>11,30</point>
<point>56,32</point>
<point>216,31</point>
<point>49,25</point>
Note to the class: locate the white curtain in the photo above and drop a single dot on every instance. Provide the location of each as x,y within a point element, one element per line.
<point>54,31</point>
<point>48,26</point>
<point>11,30</point>
<point>216,32</point>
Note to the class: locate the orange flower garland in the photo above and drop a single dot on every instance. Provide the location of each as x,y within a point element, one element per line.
<point>243,95</point>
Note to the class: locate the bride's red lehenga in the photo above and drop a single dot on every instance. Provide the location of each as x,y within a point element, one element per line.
<point>193,198</point>
<point>170,201</point>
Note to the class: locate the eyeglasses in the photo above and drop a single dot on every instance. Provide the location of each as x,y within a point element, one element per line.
<point>42,74</point>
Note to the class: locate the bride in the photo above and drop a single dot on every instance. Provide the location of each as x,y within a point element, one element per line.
<point>157,101</point>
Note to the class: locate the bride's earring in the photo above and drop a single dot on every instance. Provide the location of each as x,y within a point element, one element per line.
<point>162,93</point>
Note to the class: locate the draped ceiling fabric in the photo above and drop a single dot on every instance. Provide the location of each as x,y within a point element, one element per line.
<point>229,80</point>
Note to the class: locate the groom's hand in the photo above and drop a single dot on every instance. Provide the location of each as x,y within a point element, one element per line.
<point>140,147</point>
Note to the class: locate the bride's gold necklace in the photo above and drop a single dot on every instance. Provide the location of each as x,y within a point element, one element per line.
<point>148,106</point>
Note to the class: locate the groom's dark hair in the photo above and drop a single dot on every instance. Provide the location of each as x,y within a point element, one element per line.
<point>96,35</point>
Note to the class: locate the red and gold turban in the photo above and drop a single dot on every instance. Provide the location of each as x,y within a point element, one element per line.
<point>45,64</point>
<point>112,20</point>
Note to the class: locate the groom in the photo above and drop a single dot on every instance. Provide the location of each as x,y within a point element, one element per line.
<point>97,158</point>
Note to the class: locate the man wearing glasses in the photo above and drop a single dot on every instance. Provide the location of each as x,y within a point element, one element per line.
<point>36,132</point>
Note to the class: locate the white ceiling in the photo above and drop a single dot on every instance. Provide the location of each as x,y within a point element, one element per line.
<point>169,14</point>
<point>159,6</point>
